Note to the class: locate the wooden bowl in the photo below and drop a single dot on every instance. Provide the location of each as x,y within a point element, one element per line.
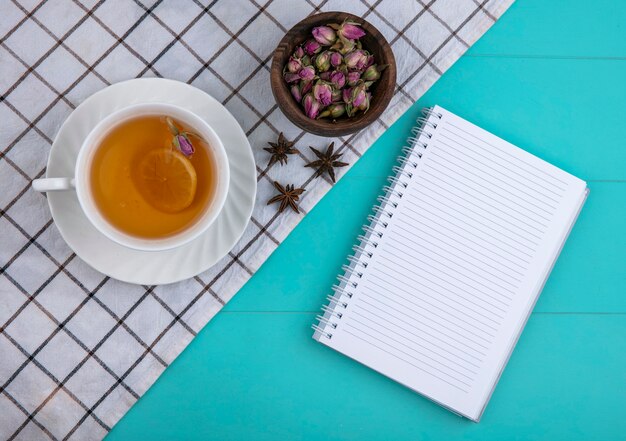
<point>382,90</point>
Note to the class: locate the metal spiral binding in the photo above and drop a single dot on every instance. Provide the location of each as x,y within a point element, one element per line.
<point>359,249</point>
<point>400,171</point>
<point>364,251</point>
<point>377,222</point>
<point>425,122</point>
<point>338,289</point>
<point>331,312</point>
<point>346,280</point>
<point>414,142</point>
<point>391,191</point>
<point>333,300</point>
<point>368,229</point>
<point>387,200</point>
<point>395,180</point>
<point>325,321</point>
<point>353,259</point>
<point>380,210</point>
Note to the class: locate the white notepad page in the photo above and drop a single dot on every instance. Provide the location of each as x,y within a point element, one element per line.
<point>443,298</point>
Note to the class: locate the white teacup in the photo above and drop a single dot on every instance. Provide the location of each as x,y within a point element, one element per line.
<point>80,181</point>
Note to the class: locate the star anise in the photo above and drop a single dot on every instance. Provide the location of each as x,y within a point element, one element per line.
<point>280,150</point>
<point>326,162</point>
<point>287,196</point>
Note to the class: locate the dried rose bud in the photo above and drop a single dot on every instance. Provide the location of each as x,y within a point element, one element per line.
<point>322,61</point>
<point>180,140</point>
<point>366,105</point>
<point>312,47</point>
<point>343,46</point>
<point>359,98</point>
<point>305,87</point>
<point>370,61</point>
<point>311,106</point>
<point>291,77</point>
<point>351,30</point>
<point>294,65</point>
<point>372,73</point>
<point>307,73</point>
<point>322,92</point>
<point>325,75</point>
<point>353,78</point>
<point>335,59</point>
<point>356,59</point>
<point>299,52</point>
<point>346,93</point>
<point>306,60</point>
<point>338,79</point>
<point>337,95</point>
<point>295,91</point>
<point>324,35</point>
<point>334,111</point>
<point>185,146</point>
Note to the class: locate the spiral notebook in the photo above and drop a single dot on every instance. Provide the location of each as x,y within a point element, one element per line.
<point>451,262</point>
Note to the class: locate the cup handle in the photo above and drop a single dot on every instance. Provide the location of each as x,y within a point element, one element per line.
<point>54,184</point>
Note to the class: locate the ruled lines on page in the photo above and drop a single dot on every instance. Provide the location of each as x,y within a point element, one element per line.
<point>454,256</point>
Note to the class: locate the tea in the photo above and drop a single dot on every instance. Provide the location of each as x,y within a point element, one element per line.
<point>144,186</point>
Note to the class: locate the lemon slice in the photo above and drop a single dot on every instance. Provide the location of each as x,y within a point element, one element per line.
<point>168,180</point>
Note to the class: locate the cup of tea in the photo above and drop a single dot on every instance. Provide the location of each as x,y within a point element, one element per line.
<point>149,176</point>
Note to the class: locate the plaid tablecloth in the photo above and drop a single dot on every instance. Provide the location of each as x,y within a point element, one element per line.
<point>77,349</point>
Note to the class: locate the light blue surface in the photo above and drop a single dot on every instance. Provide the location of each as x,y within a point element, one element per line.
<point>550,76</point>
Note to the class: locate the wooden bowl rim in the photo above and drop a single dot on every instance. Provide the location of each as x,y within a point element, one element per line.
<point>291,108</point>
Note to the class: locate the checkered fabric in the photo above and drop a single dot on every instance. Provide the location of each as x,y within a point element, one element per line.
<point>77,349</point>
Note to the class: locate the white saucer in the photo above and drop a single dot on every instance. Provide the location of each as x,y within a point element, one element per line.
<point>144,267</point>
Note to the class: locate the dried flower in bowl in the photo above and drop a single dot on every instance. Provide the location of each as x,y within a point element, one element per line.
<point>330,74</point>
